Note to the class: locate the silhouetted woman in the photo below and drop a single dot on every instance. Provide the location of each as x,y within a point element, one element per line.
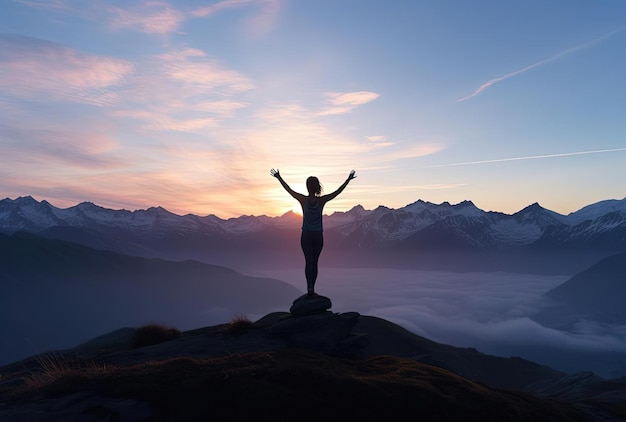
<point>312,239</point>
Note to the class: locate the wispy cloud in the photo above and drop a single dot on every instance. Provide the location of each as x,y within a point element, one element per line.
<point>344,102</point>
<point>404,152</point>
<point>380,141</point>
<point>179,90</point>
<point>194,69</point>
<point>49,151</point>
<point>41,70</point>
<point>411,188</point>
<point>183,90</point>
<point>45,4</point>
<point>153,17</point>
<point>261,22</point>
<point>223,5</point>
<point>530,157</point>
<point>157,17</point>
<point>525,69</point>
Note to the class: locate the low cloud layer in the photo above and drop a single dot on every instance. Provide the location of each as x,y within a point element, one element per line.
<point>491,312</point>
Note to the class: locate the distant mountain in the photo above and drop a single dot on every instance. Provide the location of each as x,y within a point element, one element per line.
<point>54,293</point>
<point>596,294</point>
<point>420,227</point>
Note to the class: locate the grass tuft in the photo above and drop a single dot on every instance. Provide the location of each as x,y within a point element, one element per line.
<point>238,325</point>
<point>153,334</point>
<point>55,367</point>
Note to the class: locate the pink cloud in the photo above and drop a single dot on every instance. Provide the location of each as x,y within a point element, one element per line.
<point>259,23</point>
<point>193,68</point>
<point>183,90</point>
<point>151,17</point>
<point>45,151</point>
<point>37,69</point>
<point>344,102</point>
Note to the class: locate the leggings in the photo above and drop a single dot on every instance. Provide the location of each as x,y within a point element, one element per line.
<point>312,244</point>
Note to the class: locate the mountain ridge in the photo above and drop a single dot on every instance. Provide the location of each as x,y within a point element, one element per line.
<point>596,294</point>
<point>420,225</point>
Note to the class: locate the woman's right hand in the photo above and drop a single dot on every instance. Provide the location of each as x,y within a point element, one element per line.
<point>275,173</point>
<point>352,175</point>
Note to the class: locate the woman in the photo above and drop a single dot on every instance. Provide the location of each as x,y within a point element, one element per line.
<point>312,239</point>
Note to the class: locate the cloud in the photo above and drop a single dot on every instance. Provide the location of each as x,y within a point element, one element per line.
<point>489,311</point>
<point>224,108</point>
<point>531,157</point>
<point>261,22</point>
<point>158,17</point>
<point>47,149</point>
<point>180,90</point>
<point>224,5</point>
<point>192,68</point>
<point>435,186</point>
<point>152,17</point>
<point>58,5</point>
<point>420,149</point>
<point>344,102</point>
<point>183,90</point>
<point>41,70</point>
<point>525,69</point>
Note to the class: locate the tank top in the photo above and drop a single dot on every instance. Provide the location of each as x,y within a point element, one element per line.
<point>311,216</point>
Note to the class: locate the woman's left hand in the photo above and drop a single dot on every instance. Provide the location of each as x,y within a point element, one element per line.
<point>352,175</point>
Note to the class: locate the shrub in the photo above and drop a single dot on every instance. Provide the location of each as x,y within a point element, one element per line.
<point>153,334</point>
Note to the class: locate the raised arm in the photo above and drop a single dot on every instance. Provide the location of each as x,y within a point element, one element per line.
<point>292,192</point>
<point>340,189</point>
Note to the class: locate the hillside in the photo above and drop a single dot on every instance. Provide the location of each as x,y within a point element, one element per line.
<point>54,294</point>
<point>281,367</point>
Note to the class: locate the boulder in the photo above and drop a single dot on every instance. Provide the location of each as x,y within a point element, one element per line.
<point>322,331</point>
<point>305,305</point>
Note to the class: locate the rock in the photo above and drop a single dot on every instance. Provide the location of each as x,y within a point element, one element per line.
<point>322,331</point>
<point>350,345</point>
<point>305,305</point>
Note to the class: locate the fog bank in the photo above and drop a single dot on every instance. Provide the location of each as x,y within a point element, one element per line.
<point>488,311</point>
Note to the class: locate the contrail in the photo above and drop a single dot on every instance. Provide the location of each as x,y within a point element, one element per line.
<point>557,56</point>
<point>531,157</point>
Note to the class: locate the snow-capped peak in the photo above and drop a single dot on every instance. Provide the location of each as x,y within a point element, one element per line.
<point>594,211</point>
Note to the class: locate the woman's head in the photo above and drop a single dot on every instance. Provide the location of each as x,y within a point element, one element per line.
<point>313,186</point>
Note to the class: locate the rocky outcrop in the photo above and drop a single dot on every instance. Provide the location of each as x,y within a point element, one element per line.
<point>310,304</point>
<point>324,332</point>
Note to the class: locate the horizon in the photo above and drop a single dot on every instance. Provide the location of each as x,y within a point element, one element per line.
<point>188,105</point>
<point>299,213</point>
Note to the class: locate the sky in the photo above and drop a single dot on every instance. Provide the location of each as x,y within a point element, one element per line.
<point>188,104</point>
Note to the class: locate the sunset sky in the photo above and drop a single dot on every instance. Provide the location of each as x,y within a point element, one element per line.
<point>189,104</point>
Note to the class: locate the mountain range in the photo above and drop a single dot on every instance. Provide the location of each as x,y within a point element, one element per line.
<point>397,236</point>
